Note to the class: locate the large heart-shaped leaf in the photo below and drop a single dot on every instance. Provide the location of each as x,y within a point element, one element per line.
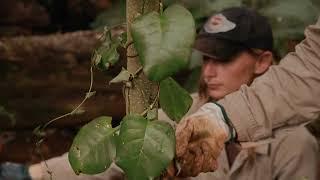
<point>145,148</point>
<point>174,100</point>
<point>164,42</point>
<point>94,148</point>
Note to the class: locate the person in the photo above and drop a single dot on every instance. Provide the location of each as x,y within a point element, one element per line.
<point>261,103</point>
<point>237,104</point>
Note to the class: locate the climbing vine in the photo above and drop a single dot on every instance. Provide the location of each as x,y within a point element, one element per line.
<point>142,145</point>
<point>158,45</point>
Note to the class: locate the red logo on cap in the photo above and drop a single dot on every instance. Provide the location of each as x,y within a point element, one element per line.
<point>215,20</point>
<point>218,23</point>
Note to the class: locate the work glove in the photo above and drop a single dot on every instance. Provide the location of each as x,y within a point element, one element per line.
<point>200,139</point>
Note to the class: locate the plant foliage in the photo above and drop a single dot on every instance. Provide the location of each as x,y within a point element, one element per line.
<point>145,148</point>
<point>164,41</point>
<point>174,100</point>
<point>93,149</point>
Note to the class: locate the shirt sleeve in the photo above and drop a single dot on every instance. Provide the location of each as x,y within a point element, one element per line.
<point>287,94</point>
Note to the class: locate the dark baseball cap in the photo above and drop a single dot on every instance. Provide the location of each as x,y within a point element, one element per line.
<point>232,31</point>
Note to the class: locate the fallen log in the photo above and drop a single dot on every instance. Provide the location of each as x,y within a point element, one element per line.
<point>44,77</point>
<point>55,49</point>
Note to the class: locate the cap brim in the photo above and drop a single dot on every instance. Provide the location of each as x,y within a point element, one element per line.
<point>219,49</point>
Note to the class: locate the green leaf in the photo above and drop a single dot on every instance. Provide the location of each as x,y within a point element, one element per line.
<point>192,80</point>
<point>152,114</point>
<point>106,56</point>
<point>144,148</point>
<point>164,42</point>
<point>122,38</point>
<point>195,59</point>
<point>174,100</point>
<point>123,76</point>
<point>93,149</point>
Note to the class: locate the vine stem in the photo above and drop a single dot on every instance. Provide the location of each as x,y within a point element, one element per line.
<point>129,44</point>
<point>161,8</point>
<point>38,144</point>
<point>77,108</point>
<point>143,6</point>
<point>46,164</point>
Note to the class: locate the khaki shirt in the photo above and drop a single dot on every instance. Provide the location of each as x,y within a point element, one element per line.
<point>268,158</point>
<point>290,153</point>
<point>287,94</point>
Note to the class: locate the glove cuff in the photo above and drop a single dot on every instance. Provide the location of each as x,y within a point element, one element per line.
<point>233,137</point>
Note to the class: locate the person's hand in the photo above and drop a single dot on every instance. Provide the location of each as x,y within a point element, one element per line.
<point>200,139</point>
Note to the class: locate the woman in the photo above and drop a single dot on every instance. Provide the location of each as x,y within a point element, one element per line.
<point>237,48</point>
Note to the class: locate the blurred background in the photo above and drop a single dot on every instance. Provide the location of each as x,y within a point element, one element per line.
<point>45,56</point>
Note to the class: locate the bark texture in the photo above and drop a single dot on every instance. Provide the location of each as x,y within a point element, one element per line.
<point>143,92</point>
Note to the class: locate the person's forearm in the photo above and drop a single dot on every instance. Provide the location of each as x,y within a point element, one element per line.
<point>288,94</point>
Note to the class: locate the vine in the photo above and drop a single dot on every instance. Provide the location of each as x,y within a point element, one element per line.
<point>39,131</point>
<point>140,136</point>
<point>140,129</point>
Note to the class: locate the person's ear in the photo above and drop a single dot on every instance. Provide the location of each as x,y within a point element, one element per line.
<point>263,62</point>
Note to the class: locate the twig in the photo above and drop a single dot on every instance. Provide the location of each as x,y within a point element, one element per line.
<point>38,144</point>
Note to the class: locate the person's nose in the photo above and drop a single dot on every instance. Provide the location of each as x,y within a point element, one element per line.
<point>210,69</point>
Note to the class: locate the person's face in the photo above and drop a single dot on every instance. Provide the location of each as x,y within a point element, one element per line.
<point>223,78</point>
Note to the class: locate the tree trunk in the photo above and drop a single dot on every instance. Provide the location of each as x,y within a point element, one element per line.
<point>143,92</point>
